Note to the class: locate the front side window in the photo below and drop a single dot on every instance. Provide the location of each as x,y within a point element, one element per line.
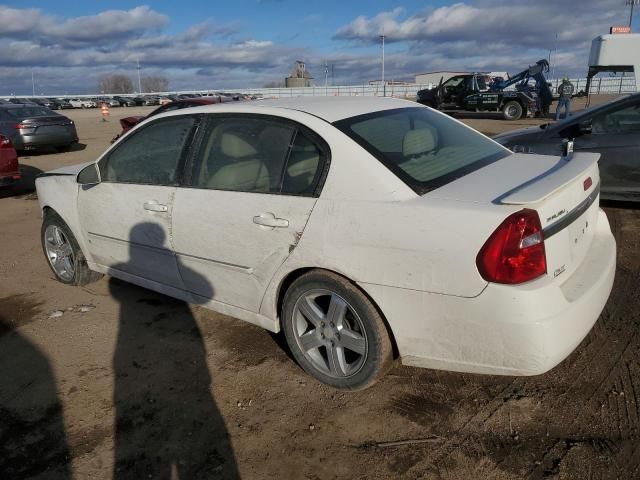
<point>453,82</point>
<point>425,149</point>
<point>625,120</point>
<point>151,155</point>
<point>258,155</point>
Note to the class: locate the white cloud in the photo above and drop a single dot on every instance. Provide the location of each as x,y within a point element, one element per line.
<point>467,35</point>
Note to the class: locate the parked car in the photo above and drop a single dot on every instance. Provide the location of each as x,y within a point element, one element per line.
<point>111,102</point>
<point>63,103</point>
<point>9,168</point>
<point>150,100</point>
<point>45,102</point>
<point>125,101</point>
<point>612,130</point>
<point>82,103</point>
<point>358,226</point>
<point>128,123</point>
<point>32,126</point>
<point>21,101</point>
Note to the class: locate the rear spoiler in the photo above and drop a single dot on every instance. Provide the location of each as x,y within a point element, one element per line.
<point>554,179</point>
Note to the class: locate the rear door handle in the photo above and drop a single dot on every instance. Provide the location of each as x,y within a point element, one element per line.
<point>154,206</point>
<point>268,219</point>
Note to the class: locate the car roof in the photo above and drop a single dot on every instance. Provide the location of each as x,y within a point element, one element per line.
<point>330,109</point>
<point>18,105</point>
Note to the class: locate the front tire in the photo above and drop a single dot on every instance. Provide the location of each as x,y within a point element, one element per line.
<point>63,254</point>
<point>334,331</point>
<point>512,111</point>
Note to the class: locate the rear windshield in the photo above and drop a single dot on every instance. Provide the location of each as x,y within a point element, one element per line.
<point>424,148</point>
<point>29,111</point>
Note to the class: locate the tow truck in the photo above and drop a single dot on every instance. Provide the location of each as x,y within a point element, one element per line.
<point>473,93</point>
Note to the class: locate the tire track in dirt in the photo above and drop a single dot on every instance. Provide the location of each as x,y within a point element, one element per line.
<point>624,295</point>
<point>593,350</point>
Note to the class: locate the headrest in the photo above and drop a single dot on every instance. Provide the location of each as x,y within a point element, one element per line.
<point>419,141</point>
<point>234,146</point>
<point>275,135</point>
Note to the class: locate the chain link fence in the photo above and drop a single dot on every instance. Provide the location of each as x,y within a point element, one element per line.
<point>604,85</point>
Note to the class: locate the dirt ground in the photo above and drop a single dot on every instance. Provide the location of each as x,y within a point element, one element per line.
<point>130,384</point>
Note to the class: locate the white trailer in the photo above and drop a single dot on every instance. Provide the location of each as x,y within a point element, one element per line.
<point>614,53</point>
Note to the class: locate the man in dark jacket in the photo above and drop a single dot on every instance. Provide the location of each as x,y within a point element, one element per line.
<point>565,90</point>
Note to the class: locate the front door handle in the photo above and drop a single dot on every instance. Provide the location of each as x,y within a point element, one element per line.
<point>270,220</point>
<point>154,206</point>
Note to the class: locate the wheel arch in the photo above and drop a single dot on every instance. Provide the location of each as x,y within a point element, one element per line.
<point>47,209</point>
<point>293,275</point>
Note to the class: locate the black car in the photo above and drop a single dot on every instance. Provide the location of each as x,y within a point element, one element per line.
<point>125,101</point>
<point>45,102</point>
<point>62,103</point>
<point>21,101</point>
<point>611,129</point>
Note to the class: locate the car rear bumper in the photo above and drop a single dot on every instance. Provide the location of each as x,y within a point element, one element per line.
<point>7,179</point>
<point>22,141</point>
<point>508,330</point>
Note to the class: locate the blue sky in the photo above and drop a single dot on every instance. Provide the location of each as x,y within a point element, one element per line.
<point>249,43</point>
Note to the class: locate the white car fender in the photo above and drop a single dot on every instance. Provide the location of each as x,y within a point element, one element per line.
<point>58,190</point>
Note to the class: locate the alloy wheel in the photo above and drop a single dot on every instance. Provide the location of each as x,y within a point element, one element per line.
<point>59,252</point>
<point>329,333</point>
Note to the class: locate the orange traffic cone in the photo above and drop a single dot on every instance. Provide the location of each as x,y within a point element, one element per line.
<point>105,111</point>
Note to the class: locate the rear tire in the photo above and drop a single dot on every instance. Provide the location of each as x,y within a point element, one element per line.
<point>512,111</point>
<point>63,254</point>
<point>334,331</point>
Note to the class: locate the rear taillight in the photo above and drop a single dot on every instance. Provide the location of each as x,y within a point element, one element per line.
<point>21,125</point>
<point>514,253</point>
<point>5,142</point>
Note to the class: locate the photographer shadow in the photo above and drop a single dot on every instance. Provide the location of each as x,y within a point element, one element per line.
<point>168,425</point>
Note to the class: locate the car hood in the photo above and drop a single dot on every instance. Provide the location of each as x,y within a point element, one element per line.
<point>530,133</point>
<point>68,170</point>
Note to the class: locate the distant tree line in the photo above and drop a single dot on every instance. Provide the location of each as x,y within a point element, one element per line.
<point>118,83</point>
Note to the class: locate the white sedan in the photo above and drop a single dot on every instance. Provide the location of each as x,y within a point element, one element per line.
<point>366,229</point>
<point>82,103</point>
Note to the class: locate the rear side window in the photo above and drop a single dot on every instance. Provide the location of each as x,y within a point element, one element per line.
<point>424,148</point>
<point>151,155</point>
<point>258,155</point>
<point>29,111</point>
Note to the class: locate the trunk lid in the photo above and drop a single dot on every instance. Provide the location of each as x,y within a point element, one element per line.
<point>46,125</point>
<point>564,192</point>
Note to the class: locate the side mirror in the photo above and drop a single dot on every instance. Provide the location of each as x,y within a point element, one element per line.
<point>584,127</point>
<point>89,175</point>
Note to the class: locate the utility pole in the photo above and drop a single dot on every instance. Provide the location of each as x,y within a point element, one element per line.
<point>326,73</point>
<point>631,3</point>
<point>555,54</point>
<point>139,81</point>
<point>33,83</point>
<point>384,85</point>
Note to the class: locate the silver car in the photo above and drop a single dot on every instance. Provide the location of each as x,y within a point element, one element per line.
<point>33,126</point>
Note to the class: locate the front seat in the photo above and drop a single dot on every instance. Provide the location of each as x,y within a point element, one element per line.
<point>244,172</point>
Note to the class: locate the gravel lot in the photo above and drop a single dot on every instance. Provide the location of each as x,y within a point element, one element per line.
<point>128,383</point>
